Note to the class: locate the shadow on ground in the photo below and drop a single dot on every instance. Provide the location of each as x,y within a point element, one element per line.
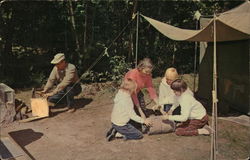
<point>62,107</point>
<point>25,137</point>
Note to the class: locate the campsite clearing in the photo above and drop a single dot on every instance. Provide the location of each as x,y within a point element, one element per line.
<point>81,135</point>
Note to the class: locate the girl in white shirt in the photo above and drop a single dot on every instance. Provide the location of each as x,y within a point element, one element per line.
<point>123,111</point>
<point>193,115</point>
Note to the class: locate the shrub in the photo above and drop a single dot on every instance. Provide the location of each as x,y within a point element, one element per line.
<point>119,67</point>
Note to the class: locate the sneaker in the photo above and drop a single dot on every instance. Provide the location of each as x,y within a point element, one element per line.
<point>109,132</point>
<point>111,135</point>
<point>71,110</point>
<point>144,129</point>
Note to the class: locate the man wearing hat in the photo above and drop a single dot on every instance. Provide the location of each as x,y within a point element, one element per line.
<point>64,75</point>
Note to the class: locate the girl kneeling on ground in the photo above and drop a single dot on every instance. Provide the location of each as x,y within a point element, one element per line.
<point>123,111</point>
<point>193,115</point>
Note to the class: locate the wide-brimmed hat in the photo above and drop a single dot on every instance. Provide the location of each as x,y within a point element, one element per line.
<point>58,58</point>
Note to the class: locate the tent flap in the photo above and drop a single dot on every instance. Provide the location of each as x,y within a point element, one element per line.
<point>231,25</point>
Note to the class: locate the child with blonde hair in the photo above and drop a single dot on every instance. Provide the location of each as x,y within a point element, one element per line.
<point>142,75</point>
<point>167,98</point>
<point>123,112</point>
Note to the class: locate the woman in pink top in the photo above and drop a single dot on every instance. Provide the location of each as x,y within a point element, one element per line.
<point>143,78</point>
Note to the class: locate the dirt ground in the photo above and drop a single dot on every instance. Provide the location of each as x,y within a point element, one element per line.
<point>81,135</point>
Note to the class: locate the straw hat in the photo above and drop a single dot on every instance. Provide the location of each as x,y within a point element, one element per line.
<point>58,58</point>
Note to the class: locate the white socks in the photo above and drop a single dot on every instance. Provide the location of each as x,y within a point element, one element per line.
<point>118,135</point>
<point>206,130</point>
<point>203,131</point>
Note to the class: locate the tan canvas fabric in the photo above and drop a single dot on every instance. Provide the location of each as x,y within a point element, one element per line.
<point>172,32</point>
<point>230,25</point>
<point>238,18</point>
<point>160,126</point>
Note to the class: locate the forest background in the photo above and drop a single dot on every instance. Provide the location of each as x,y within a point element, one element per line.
<point>32,32</point>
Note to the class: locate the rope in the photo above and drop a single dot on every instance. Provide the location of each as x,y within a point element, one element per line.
<point>95,62</point>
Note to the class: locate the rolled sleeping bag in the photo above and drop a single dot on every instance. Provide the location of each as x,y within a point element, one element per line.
<point>160,126</point>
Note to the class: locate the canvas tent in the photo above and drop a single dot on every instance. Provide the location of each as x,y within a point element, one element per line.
<point>233,73</point>
<point>232,25</point>
<point>232,37</point>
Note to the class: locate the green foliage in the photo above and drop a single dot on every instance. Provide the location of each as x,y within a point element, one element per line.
<point>92,76</point>
<point>37,78</point>
<point>118,67</point>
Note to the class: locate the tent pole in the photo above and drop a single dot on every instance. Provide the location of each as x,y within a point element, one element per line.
<point>215,89</point>
<point>137,31</point>
<point>214,99</point>
<point>195,58</point>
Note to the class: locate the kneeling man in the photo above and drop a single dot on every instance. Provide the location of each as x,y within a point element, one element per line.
<point>64,76</point>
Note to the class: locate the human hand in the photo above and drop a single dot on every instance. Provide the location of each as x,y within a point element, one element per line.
<point>147,122</point>
<point>170,112</point>
<point>41,93</point>
<point>48,94</point>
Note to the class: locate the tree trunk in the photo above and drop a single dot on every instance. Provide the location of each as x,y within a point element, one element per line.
<point>72,19</point>
<point>85,27</point>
